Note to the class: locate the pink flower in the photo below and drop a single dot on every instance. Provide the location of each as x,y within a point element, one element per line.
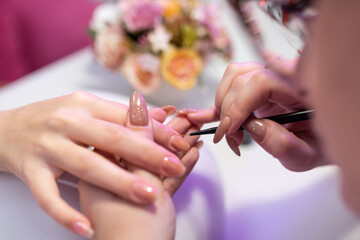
<point>209,16</point>
<point>111,48</point>
<point>142,15</point>
<point>142,72</point>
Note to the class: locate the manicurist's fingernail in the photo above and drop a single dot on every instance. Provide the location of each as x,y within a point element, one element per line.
<point>138,112</point>
<point>82,229</point>
<point>186,111</point>
<point>144,192</point>
<point>171,167</point>
<point>222,129</point>
<point>256,128</point>
<point>178,142</point>
<point>233,145</point>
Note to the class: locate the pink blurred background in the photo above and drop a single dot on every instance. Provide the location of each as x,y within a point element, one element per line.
<point>34,33</point>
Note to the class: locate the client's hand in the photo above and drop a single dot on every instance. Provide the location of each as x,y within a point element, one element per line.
<point>42,140</point>
<point>112,216</point>
<point>252,88</point>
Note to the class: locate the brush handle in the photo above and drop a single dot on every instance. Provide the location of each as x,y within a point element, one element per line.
<point>281,119</point>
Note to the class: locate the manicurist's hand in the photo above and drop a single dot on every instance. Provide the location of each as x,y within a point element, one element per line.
<point>249,91</point>
<point>42,140</point>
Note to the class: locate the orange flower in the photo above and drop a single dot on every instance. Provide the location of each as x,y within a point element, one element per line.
<point>181,67</point>
<point>171,8</point>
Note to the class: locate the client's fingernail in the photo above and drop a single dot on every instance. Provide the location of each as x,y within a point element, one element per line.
<point>178,142</point>
<point>169,109</point>
<point>256,128</point>
<point>171,167</point>
<point>222,129</point>
<point>186,111</point>
<point>233,145</point>
<point>144,192</point>
<point>83,229</point>
<point>138,112</point>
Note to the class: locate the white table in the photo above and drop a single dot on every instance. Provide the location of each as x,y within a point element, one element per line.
<point>226,197</point>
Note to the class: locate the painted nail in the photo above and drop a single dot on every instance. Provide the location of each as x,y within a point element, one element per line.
<point>169,109</point>
<point>171,167</point>
<point>138,110</point>
<point>82,229</point>
<point>199,144</point>
<point>233,145</point>
<point>178,142</point>
<point>256,128</point>
<point>186,111</point>
<point>144,192</point>
<point>222,129</point>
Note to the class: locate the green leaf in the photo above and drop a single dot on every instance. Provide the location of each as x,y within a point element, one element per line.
<point>91,32</point>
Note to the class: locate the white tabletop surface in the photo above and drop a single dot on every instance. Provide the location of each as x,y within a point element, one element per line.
<point>227,197</point>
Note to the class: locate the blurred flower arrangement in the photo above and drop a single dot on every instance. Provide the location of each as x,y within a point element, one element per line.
<point>153,40</point>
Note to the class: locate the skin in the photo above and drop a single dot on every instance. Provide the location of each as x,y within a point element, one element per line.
<point>52,136</point>
<point>328,72</point>
<point>112,216</point>
<point>325,78</point>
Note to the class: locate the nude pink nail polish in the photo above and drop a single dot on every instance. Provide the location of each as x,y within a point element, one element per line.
<point>222,129</point>
<point>144,192</point>
<point>138,112</point>
<point>169,109</point>
<point>256,128</point>
<point>233,145</point>
<point>82,229</point>
<point>171,167</point>
<point>186,111</point>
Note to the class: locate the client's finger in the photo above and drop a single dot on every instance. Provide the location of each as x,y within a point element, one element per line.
<point>158,114</point>
<point>94,168</point>
<point>169,109</point>
<point>169,138</point>
<point>139,121</point>
<point>204,116</point>
<point>123,142</point>
<point>189,160</point>
<point>180,124</point>
<point>294,153</point>
<point>191,140</point>
<point>46,194</point>
<point>99,108</point>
